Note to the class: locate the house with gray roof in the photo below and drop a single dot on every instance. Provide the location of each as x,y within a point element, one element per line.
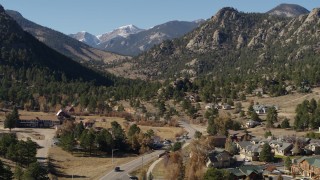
<point>283,149</point>
<point>251,152</point>
<point>251,171</point>
<point>219,159</point>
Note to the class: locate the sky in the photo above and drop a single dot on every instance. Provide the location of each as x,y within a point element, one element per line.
<point>100,16</point>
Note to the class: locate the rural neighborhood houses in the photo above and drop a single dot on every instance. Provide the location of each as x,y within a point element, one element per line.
<point>219,158</point>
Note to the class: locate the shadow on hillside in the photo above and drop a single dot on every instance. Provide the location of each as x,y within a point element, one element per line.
<point>56,170</point>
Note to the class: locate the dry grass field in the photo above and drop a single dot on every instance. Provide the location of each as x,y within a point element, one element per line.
<point>108,120</point>
<point>287,103</point>
<point>68,165</point>
<point>164,132</point>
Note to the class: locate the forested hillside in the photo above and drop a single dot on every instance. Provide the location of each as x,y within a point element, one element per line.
<point>238,47</point>
<point>66,45</point>
<point>36,77</point>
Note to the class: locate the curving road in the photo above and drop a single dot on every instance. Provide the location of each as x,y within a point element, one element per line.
<point>130,166</point>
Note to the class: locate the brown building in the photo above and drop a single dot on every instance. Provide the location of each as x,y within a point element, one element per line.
<point>38,122</point>
<point>308,167</point>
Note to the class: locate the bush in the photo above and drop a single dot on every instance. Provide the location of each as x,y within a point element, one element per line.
<point>176,146</point>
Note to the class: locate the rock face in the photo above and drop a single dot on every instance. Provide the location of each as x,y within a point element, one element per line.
<point>240,42</point>
<point>313,16</point>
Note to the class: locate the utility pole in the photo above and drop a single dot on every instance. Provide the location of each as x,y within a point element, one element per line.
<point>112,154</point>
<point>142,161</point>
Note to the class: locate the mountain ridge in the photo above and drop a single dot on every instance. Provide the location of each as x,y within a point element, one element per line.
<point>22,52</point>
<point>288,10</point>
<point>235,43</point>
<point>64,44</point>
<point>139,40</point>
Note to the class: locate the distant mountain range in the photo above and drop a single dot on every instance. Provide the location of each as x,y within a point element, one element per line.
<point>288,10</point>
<point>131,40</point>
<point>238,46</point>
<point>66,45</point>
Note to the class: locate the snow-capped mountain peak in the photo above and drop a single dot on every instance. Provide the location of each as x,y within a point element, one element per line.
<point>123,31</point>
<point>86,37</point>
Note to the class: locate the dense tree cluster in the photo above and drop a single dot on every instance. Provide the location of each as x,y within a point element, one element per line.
<point>24,154</point>
<point>307,115</point>
<point>217,174</point>
<point>105,140</point>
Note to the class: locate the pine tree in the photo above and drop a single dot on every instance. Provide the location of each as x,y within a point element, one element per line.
<point>18,173</point>
<point>5,172</point>
<point>230,146</point>
<point>11,119</point>
<point>296,149</point>
<point>266,154</point>
<point>272,117</point>
<point>287,162</point>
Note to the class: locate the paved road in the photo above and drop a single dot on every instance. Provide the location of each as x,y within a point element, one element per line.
<point>45,144</point>
<point>130,166</point>
<point>189,128</point>
<point>191,131</point>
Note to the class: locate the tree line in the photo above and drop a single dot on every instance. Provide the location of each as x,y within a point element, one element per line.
<point>106,140</point>
<point>23,153</point>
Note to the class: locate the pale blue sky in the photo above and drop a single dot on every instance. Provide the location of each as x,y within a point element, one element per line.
<point>99,16</point>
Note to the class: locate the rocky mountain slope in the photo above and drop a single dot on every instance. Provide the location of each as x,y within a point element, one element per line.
<point>236,45</point>
<point>288,10</point>
<point>64,44</point>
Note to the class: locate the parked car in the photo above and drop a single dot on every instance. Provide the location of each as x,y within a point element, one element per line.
<point>134,178</point>
<point>117,169</point>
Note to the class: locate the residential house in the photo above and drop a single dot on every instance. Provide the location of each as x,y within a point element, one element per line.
<point>240,135</point>
<point>314,147</point>
<point>242,145</point>
<point>270,171</point>
<point>251,152</point>
<point>209,106</point>
<point>263,109</point>
<point>69,109</point>
<point>307,166</point>
<point>260,109</point>
<point>212,106</point>
<point>62,114</point>
<point>255,140</point>
<point>263,141</point>
<point>258,91</point>
<point>251,171</point>
<point>252,124</point>
<point>219,159</point>
<point>226,107</point>
<point>219,141</point>
<point>283,149</point>
<point>88,123</point>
